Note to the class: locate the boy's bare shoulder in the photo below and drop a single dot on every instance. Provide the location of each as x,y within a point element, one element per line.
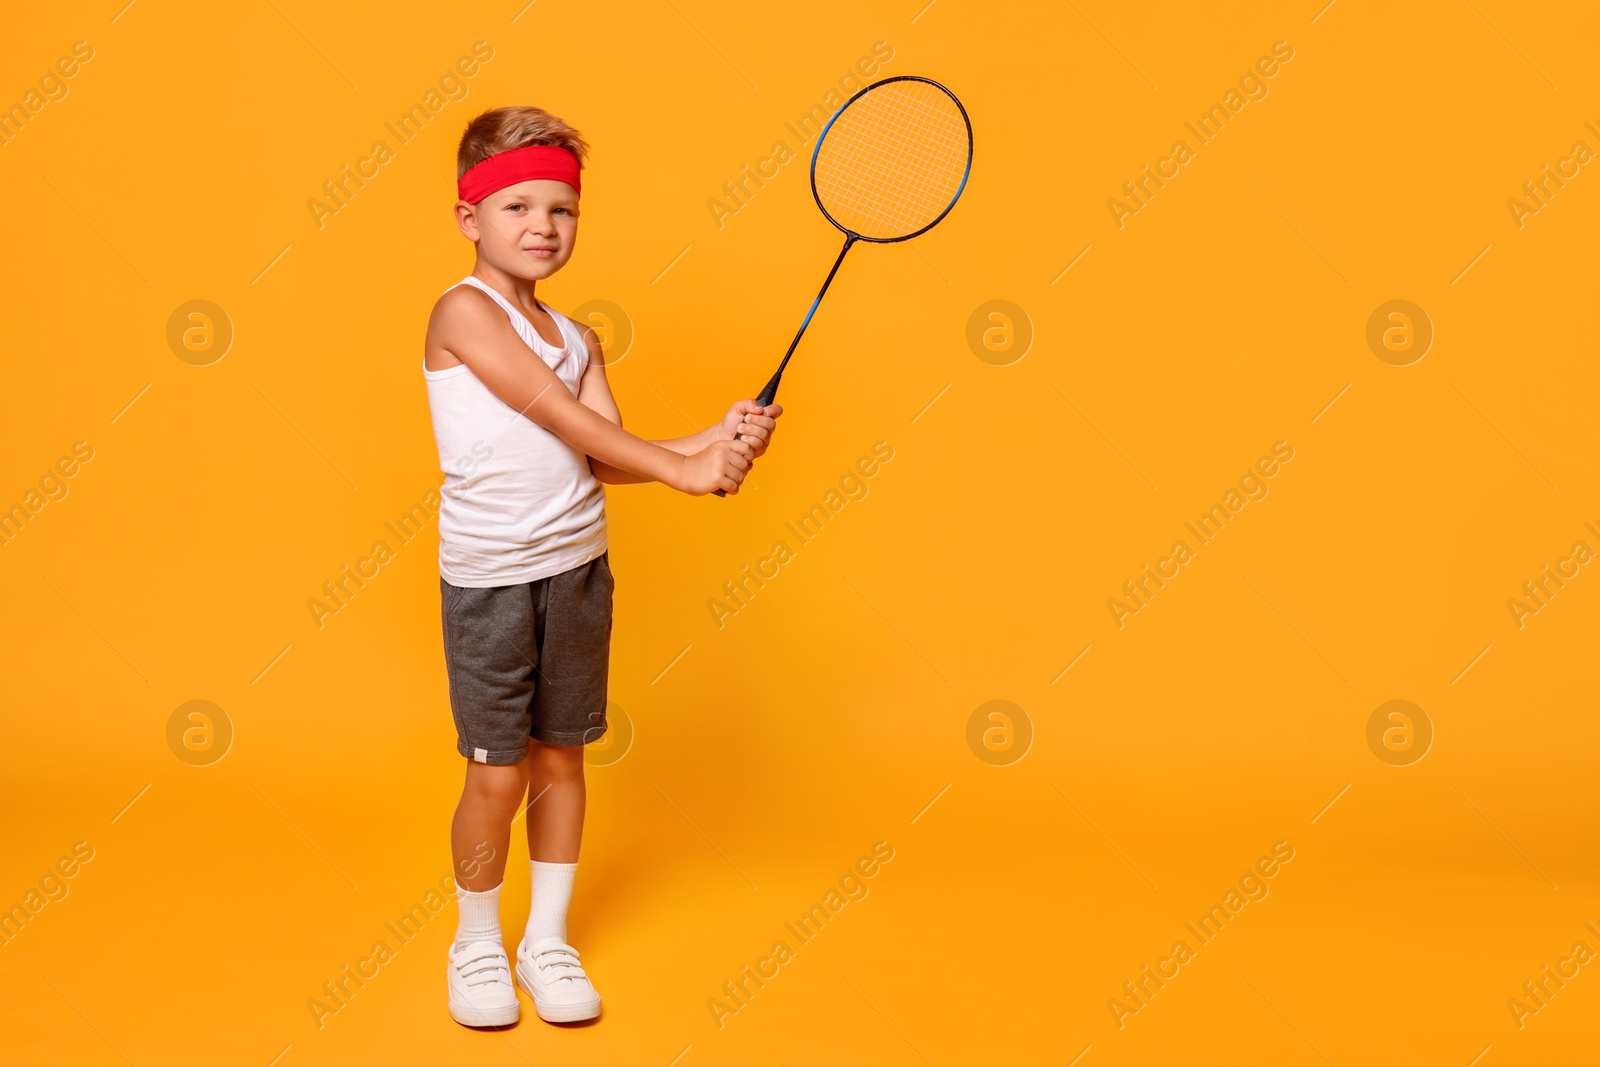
<point>463,306</point>
<point>459,317</point>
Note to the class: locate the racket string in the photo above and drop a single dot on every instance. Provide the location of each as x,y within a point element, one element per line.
<point>907,189</point>
<point>894,160</point>
<point>937,142</point>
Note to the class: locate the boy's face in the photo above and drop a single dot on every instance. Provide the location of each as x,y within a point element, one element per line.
<point>527,230</point>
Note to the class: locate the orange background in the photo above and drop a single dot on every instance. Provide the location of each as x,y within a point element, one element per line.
<point>832,711</point>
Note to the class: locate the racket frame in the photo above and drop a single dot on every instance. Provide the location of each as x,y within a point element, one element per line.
<point>823,136</point>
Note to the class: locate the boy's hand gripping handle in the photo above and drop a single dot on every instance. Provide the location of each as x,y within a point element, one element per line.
<point>767,396</point>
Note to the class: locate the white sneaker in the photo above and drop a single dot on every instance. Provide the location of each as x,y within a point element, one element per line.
<point>481,993</point>
<point>550,973</point>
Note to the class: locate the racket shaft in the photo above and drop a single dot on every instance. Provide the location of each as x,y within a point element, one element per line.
<point>770,391</point>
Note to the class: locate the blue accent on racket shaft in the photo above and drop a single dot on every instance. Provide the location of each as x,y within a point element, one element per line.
<point>814,305</point>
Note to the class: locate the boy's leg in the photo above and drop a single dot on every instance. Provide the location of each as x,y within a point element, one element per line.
<point>555,831</point>
<point>480,832</point>
<point>575,611</point>
<point>479,972</point>
<point>555,823</point>
<point>480,837</point>
<point>547,966</point>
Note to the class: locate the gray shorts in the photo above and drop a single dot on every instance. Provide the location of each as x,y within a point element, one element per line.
<point>528,660</point>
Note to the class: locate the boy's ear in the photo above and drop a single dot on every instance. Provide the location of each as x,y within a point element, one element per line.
<point>467,220</point>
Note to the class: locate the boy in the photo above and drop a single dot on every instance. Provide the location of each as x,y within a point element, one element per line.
<point>527,429</point>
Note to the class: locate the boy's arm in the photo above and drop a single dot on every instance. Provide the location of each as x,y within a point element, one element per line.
<point>471,327</point>
<point>746,419</point>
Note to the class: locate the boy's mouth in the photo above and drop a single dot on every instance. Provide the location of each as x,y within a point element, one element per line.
<point>540,253</point>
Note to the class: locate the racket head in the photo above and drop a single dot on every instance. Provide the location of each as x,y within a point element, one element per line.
<point>893,161</point>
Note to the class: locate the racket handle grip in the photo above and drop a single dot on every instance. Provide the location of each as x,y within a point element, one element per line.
<point>766,397</point>
<point>770,392</point>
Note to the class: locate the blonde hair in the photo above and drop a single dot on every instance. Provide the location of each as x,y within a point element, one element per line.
<point>505,128</point>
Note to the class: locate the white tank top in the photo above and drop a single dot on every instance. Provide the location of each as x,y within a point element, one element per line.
<point>518,504</point>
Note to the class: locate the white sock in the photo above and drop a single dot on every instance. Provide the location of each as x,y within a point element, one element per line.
<point>552,889</point>
<point>480,915</point>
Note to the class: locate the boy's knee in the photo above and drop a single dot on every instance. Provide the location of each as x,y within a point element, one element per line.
<point>557,760</point>
<point>503,785</point>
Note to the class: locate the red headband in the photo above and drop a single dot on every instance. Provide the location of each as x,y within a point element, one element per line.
<point>518,165</point>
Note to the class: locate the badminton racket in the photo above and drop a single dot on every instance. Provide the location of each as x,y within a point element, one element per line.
<point>888,166</point>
